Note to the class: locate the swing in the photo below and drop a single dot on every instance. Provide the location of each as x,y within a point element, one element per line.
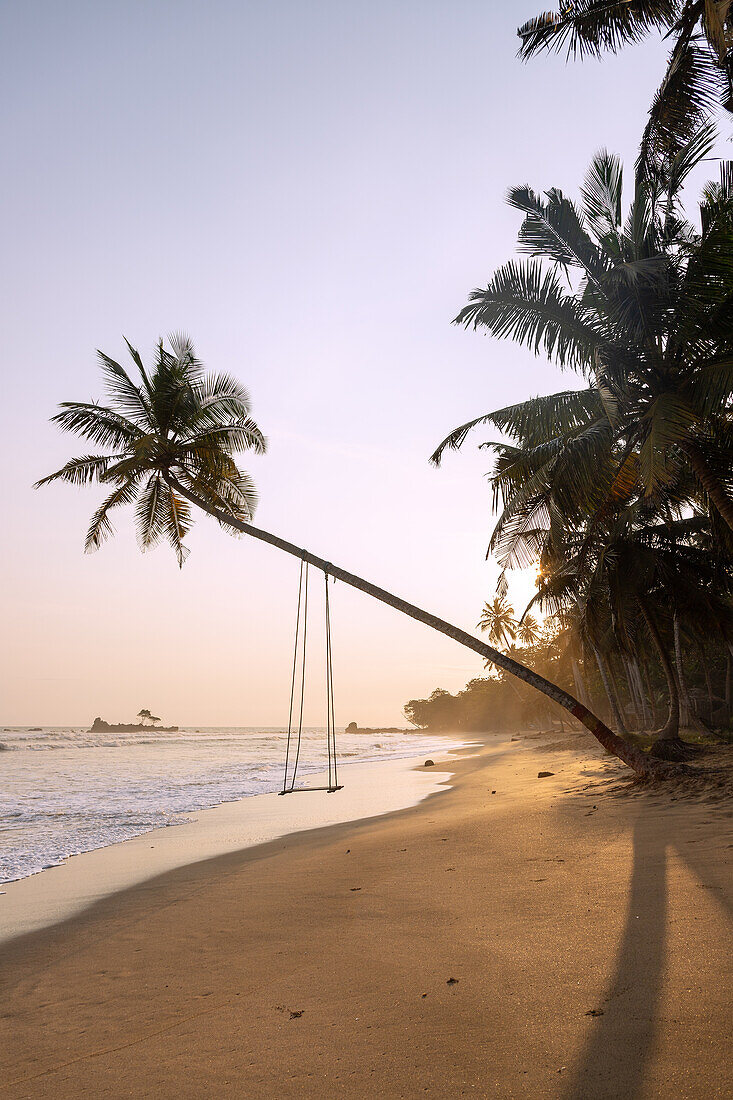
<point>289,779</point>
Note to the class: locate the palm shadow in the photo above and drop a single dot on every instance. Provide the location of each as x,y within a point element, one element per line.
<point>616,1056</point>
<point>713,874</point>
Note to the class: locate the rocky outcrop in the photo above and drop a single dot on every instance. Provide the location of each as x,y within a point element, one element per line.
<point>353,728</point>
<point>100,726</point>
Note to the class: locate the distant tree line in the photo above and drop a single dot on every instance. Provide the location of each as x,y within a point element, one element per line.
<point>627,690</point>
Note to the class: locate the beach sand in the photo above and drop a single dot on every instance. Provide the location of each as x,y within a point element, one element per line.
<point>562,937</point>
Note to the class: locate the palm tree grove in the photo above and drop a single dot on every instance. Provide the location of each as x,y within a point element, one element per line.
<point>621,490</point>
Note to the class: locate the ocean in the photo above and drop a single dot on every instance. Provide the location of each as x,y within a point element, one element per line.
<point>64,790</point>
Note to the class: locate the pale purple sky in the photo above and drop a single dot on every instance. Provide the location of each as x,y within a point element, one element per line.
<point>310,190</point>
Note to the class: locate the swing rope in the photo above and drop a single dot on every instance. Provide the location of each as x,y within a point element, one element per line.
<point>302,602</point>
<point>302,614</point>
<point>330,716</point>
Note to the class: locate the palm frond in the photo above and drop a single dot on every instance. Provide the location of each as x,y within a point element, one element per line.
<point>220,397</point>
<point>137,360</point>
<point>233,493</point>
<point>101,425</point>
<point>177,523</point>
<point>666,424</point>
<point>526,304</point>
<point>150,512</point>
<point>692,152</point>
<point>601,194</point>
<point>185,357</point>
<point>101,527</point>
<point>554,229</point>
<point>588,27</point>
<point>80,471</point>
<point>531,422</point>
<point>685,98</point>
<point>122,390</point>
<point>243,435</point>
<point>710,389</point>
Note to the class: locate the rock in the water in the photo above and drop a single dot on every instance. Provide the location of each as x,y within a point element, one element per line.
<point>515,738</point>
<point>429,763</point>
<point>543,775</point>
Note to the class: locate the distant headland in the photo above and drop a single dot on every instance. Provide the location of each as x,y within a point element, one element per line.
<point>147,721</point>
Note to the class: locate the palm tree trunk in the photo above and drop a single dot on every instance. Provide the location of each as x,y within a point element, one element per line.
<point>637,760</point>
<point>710,483</point>
<point>708,682</point>
<point>727,682</point>
<point>636,674</point>
<point>616,687</point>
<point>613,701</point>
<point>688,715</point>
<point>579,685</point>
<point>648,686</point>
<point>685,703</point>
<point>671,729</point>
<point>633,692</point>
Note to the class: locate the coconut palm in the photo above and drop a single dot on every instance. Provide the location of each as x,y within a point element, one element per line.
<point>498,621</point>
<point>168,441</point>
<point>528,630</point>
<point>700,68</point>
<point>648,318</point>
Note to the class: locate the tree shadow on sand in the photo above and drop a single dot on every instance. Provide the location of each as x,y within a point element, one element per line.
<point>615,1059</point>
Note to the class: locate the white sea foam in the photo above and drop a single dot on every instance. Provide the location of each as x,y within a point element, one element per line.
<point>64,790</point>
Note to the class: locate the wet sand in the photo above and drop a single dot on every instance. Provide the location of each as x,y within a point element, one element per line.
<point>562,937</point>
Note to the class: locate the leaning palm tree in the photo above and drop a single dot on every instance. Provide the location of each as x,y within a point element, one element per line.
<point>169,441</point>
<point>700,68</point>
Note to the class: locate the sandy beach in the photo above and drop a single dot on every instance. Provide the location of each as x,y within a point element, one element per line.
<point>509,936</point>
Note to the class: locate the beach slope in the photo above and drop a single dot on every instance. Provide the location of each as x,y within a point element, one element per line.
<point>510,937</point>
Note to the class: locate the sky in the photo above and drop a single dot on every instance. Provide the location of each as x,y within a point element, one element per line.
<point>310,190</point>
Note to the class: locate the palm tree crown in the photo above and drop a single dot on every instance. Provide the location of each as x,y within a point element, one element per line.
<point>498,621</point>
<point>529,631</point>
<point>175,422</point>
<point>647,317</point>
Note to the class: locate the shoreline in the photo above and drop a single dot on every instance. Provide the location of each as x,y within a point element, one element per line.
<point>563,937</point>
<point>64,890</point>
<point>120,787</point>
